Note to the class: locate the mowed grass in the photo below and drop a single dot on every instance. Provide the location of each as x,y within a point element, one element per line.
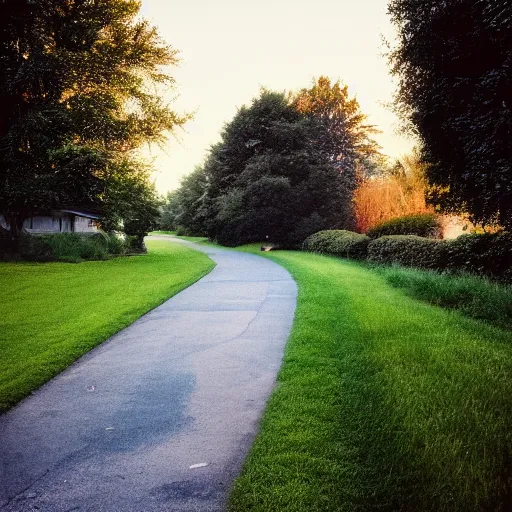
<point>52,313</point>
<point>383,403</point>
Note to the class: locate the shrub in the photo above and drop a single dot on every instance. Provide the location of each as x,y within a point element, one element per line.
<point>116,244</point>
<point>408,250</point>
<point>34,248</point>
<point>421,224</point>
<point>135,244</point>
<point>68,246</point>
<point>339,243</point>
<point>481,254</point>
<point>74,246</point>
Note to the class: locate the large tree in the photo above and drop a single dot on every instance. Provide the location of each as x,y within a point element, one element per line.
<point>283,170</point>
<point>75,78</point>
<point>454,64</point>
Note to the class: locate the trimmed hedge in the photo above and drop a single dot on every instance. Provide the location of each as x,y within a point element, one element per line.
<point>407,250</point>
<point>338,242</point>
<point>488,254</point>
<point>421,224</point>
<point>481,254</point>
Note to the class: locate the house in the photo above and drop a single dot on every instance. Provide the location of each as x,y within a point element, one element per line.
<point>76,220</point>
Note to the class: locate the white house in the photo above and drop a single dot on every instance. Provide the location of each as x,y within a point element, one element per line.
<point>60,221</point>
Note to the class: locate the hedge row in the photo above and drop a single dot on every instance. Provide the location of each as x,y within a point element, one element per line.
<point>481,254</point>
<point>339,243</point>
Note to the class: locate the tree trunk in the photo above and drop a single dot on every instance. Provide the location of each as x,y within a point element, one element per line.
<point>15,221</point>
<point>139,243</point>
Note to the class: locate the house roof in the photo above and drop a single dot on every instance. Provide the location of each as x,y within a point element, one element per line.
<point>83,213</point>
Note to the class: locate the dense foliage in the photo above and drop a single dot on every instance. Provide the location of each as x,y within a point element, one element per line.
<point>453,61</point>
<point>486,254</point>
<point>183,209</point>
<point>421,224</point>
<point>284,169</point>
<point>481,254</point>
<point>407,250</point>
<point>77,99</point>
<point>339,243</point>
<point>71,247</point>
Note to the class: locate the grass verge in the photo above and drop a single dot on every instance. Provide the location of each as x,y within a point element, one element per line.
<point>383,403</point>
<point>475,297</point>
<point>197,239</point>
<point>52,313</point>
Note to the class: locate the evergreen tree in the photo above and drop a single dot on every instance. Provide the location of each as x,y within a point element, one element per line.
<point>270,178</point>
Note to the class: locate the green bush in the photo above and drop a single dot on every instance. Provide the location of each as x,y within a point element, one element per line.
<point>75,246</point>
<point>338,242</point>
<point>69,246</point>
<point>34,248</point>
<point>407,250</point>
<point>480,254</point>
<point>116,244</point>
<point>422,224</point>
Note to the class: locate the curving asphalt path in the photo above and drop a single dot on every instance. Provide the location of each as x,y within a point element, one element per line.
<point>184,385</point>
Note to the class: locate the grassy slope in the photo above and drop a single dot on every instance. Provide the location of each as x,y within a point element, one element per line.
<point>475,297</point>
<point>383,403</point>
<point>52,313</point>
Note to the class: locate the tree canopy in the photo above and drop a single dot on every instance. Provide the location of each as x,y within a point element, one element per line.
<point>453,60</point>
<point>75,78</point>
<point>285,168</point>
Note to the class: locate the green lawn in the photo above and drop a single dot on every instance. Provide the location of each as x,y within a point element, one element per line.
<point>197,239</point>
<point>52,313</point>
<point>383,403</point>
<point>474,296</point>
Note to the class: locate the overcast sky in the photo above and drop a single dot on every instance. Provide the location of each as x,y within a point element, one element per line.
<point>230,48</point>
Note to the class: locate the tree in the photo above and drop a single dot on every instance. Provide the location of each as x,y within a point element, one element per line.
<point>75,101</point>
<point>345,138</point>
<point>282,172</point>
<point>130,202</point>
<point>453,62</point>
<point>189,212</point>
<point>168,212</point>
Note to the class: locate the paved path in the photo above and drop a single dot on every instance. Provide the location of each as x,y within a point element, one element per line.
<point>185,384</point>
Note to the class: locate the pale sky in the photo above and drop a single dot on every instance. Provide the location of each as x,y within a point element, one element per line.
<point>231,48</point>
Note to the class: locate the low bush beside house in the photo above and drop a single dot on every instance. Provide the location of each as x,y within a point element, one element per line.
<point>338,242</point>
<point>69,247</point>
<point>422,224</point>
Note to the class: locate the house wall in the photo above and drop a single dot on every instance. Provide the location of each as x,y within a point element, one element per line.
<point>60,223</point>
<point>84,225</point>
